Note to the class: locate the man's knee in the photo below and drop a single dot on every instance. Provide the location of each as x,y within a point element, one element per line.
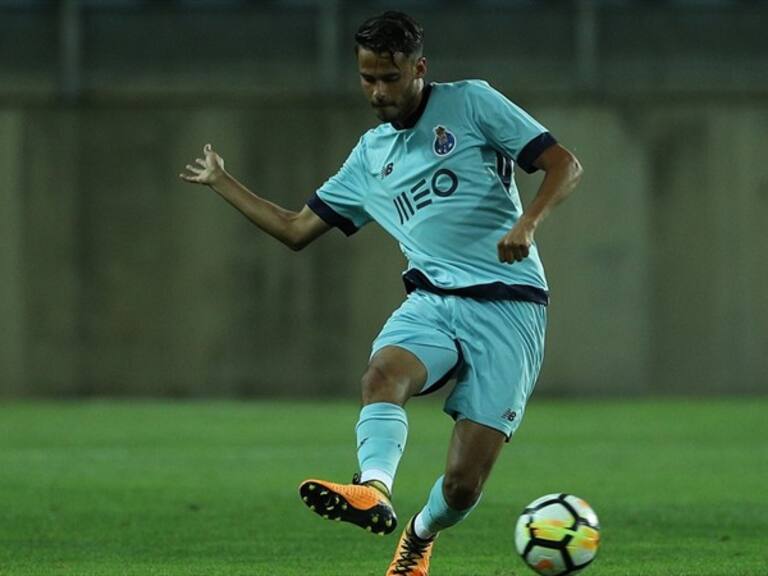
<point>462,490</point>
<point>393,375</point>
<point>379,385</point>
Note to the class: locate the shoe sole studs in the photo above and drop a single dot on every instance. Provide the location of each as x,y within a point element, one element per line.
<point>333,506</point>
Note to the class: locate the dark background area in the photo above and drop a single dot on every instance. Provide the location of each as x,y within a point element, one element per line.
<point>118,279</point>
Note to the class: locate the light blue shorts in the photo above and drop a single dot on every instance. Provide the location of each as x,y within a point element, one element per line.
<point>494,349</point>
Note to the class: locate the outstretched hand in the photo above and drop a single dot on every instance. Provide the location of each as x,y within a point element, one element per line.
<point>208,169</point>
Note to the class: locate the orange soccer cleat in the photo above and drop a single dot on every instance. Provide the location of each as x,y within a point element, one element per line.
<point>360,504</point>
<point>412,554</point>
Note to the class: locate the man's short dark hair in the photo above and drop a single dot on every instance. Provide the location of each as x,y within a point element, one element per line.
<point>389,33</point>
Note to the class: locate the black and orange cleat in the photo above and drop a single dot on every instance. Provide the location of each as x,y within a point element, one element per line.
<point>412,554</point>
<point>360,504</point>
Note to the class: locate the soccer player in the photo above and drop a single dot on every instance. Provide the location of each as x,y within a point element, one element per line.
<point>437,175</point>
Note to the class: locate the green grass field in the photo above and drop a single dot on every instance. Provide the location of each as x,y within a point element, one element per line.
<point>102,488</point>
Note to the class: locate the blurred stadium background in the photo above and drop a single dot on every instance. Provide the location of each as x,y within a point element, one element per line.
<point>117,279</point>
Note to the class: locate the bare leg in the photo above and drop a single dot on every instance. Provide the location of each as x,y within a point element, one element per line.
<point>394,375</point>
<point>472,453</point>
<point>473,450</point>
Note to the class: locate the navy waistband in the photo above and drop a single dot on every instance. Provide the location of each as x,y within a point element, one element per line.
<point>416,280</point>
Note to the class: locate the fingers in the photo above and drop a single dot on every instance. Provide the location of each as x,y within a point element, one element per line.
<point>212,158</point>
<point>511,252</point>
<point>188,178</point>
<point>194,176</point>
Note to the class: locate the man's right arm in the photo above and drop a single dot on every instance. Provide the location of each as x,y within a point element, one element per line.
<point>294,229</point>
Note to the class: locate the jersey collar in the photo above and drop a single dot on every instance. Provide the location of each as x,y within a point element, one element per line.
<point>410,122</point>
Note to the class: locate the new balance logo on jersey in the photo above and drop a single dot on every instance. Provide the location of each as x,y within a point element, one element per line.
<point>443,183</point>
<point>387,170</point>
<point>509,415</point>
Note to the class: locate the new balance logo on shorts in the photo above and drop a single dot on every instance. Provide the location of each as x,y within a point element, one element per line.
<point>509,415</point>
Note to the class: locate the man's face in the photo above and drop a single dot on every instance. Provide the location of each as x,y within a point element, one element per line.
<point>391,82</point>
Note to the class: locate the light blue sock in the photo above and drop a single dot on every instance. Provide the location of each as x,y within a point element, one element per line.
<point>381,433</point>
<point>437,514</point>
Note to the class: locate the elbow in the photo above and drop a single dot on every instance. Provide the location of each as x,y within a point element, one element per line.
<point>296,245</point>
<point>575,169</point>
<point>297,240</point>
<point>293,236</point>
<point>571,172</point>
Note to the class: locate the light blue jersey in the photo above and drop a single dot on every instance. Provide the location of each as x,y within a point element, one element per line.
<point>442,185</point>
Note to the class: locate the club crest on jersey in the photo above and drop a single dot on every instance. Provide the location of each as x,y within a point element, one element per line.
<point>445,141</point>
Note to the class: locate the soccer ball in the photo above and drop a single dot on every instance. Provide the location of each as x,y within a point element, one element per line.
<point>557,534</point>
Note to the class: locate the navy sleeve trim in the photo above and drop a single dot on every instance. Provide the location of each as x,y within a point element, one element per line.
<point>533,149</point>
<point>330,216</point>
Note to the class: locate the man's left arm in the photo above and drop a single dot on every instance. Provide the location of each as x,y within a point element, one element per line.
<point>562,173</point>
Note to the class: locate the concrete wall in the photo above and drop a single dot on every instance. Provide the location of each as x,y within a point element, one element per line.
<point>119,279</point>
<point>198,49</point>
<point>12,305</point>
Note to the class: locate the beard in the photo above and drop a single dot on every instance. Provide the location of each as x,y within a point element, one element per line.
<point>401,109</point>
<point>397,111</point>
<point>389,113</point>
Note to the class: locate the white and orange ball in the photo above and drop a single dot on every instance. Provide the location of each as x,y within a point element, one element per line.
<point>557,535</point>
